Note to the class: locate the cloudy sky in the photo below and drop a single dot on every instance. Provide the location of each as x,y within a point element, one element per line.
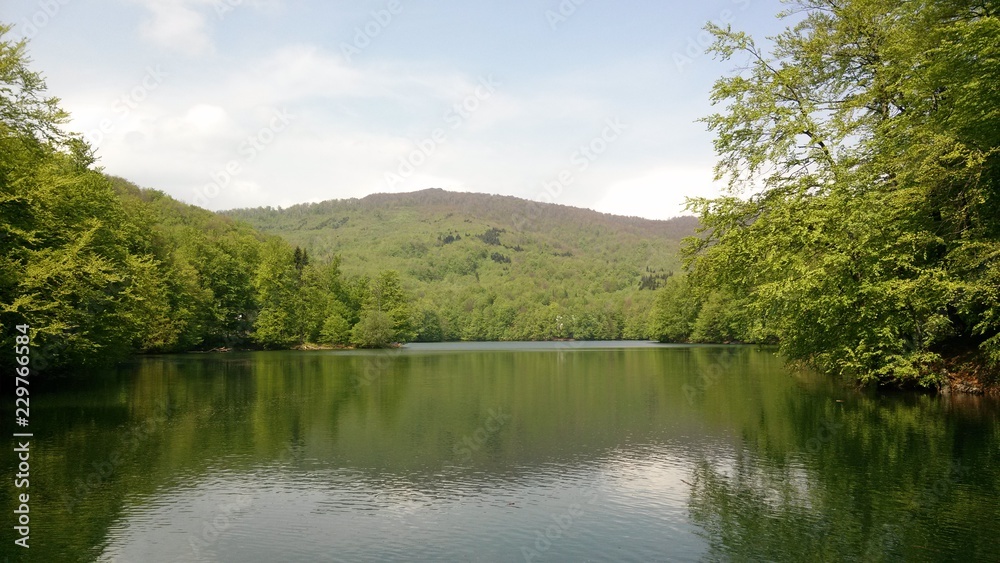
<point>242,103</point>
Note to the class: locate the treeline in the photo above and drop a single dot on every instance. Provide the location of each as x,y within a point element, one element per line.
<point>490,318</point>
<point>684,312</point>
<point>99,268</point>
<point>861,230</point>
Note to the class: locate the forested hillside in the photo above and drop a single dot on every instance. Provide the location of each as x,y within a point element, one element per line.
<point>484,267</point>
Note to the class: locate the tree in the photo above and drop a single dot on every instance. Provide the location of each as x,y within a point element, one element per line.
<point>66,266</point>
<point>718,320</point>
<point>429,329</point>
<point>25,111</point>
<point>335,330</point>
<point>862,222</point>
<point>675,311</point>
<point>385,294</point>
<point>100,268</point>
<point>374,330</point>
<point>276,323</point>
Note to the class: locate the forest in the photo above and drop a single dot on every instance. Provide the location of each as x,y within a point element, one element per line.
<point>861,226</point>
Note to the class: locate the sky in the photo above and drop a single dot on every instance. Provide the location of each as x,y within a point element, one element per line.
<point>245,103</point>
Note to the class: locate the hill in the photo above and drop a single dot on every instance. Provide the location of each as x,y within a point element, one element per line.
<point>488,267</point>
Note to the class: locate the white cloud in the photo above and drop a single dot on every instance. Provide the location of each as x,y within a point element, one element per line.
<point>204,119</point>
<point>183,25</point>
<point>659,193</point>
<point>177,25</point>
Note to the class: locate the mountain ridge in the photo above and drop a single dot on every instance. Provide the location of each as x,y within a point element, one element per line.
<point>529,209</point>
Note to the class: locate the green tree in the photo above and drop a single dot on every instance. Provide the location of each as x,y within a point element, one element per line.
<point>429,329</point>
<point>374,330</point>
<point>335,330</point>
<point>675,311</point>
<point>66,264</point>
<point>276,324</point>
<point>385,294</point>
<point>718,320</point>
<point>862,218</point>
<point>100,267</point>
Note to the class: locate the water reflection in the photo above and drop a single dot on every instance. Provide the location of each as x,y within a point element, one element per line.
<point>909,477</point>
<point>501,452</point>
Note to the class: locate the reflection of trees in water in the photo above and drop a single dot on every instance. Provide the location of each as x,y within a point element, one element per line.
<point>880,479</point>
<point>753,514</point>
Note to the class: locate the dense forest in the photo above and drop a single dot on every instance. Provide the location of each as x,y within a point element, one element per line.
<point>861,228</point>
<point>486,267</point>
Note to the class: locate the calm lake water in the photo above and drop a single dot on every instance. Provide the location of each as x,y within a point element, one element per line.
<point>503,452</point>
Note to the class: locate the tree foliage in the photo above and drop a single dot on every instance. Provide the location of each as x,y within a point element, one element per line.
<point>861,225</point>
<point>374,330</point>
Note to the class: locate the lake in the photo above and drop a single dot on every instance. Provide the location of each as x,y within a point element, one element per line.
<point>503,452</point>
